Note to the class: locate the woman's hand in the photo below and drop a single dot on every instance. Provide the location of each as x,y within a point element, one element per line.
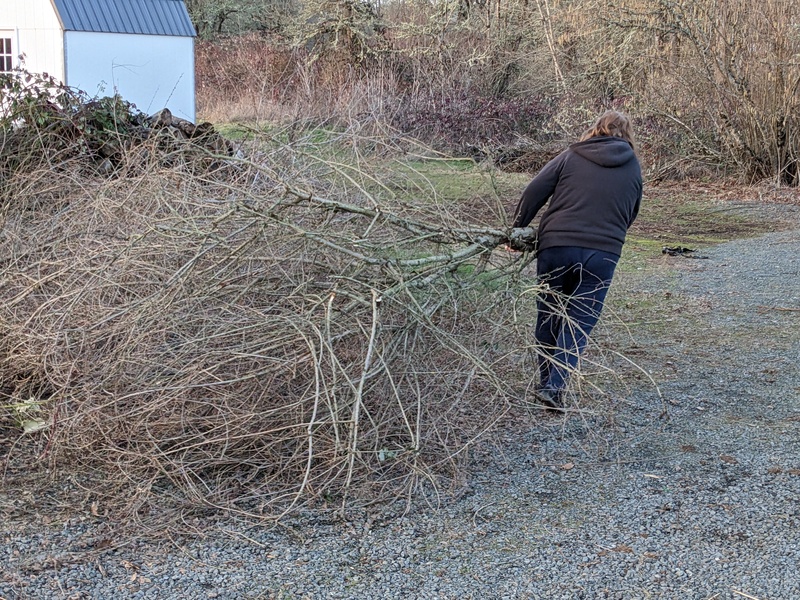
<point>522,239</point>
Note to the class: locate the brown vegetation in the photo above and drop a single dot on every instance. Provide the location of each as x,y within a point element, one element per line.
<point>252,334</point>
<point>712,86</point>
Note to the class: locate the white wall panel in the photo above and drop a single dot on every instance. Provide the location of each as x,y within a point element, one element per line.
<point>151,71</point>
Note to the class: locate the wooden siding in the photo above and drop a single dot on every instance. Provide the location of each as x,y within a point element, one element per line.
<point>37,34</point>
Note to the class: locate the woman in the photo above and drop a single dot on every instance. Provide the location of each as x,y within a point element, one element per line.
<point>595,189</point>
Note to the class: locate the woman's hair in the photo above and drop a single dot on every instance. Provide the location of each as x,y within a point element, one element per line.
<point>614,124</point>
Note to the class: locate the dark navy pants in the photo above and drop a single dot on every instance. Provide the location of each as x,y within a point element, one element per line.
<point>578,280</point>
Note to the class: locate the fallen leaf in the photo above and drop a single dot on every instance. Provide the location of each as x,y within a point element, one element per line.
<point>33,425</point>
<point>728,459</point>
<point>568,466</point>
<point>774,470</point>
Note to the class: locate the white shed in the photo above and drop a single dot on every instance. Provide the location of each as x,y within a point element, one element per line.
<point>142,50</point>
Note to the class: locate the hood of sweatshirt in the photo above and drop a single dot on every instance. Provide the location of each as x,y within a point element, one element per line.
<point>605,151</point>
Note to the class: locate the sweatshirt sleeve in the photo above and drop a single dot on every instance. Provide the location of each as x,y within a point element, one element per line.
<point>636,206</point>
<point>538,191</point>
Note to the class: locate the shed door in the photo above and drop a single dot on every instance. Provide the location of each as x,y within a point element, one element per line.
<point>6,52</point>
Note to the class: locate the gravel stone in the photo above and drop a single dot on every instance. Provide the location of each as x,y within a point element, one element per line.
<point>702,504</point>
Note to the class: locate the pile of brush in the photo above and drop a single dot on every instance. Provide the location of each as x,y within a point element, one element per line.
<point>283,331</point>
<point>43,122</point>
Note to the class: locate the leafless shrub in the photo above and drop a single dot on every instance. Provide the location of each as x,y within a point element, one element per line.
<point>715,83</point>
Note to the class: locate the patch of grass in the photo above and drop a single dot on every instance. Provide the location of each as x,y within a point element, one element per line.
<point>314,138</point>
<point>685,216</point>
<point>234,131</point>
<point>447,180</point>
<point>454,181</point>
<point>638,253</point>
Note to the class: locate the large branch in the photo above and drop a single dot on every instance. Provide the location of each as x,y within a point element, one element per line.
<point>479,240</point>
<point>411,225</point>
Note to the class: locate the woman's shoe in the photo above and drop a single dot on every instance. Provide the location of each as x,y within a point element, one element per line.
<point>550,398</point>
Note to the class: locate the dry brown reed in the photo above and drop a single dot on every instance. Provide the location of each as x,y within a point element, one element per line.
<point>309,325</point>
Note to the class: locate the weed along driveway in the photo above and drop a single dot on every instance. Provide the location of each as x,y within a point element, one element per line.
<point>679,480</point>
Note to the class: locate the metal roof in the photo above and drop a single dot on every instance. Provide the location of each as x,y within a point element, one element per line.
<point>153,17</point>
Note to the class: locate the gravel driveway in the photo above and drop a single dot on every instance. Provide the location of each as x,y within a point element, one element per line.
<point>619,503</point>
